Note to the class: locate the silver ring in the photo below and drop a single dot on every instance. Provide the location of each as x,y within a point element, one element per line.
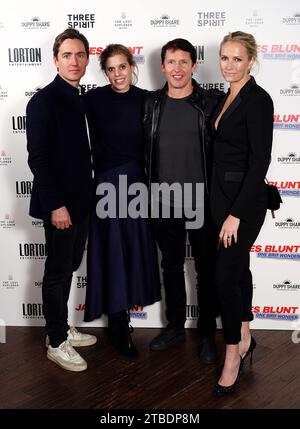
<point>229,238</point>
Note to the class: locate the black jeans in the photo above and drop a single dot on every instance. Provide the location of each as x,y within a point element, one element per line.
<point>171,239</point>
<point>65,249</point>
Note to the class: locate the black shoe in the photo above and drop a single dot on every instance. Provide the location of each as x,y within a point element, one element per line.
<point>168,337</point>
<point>119,332</point>
<point>208,352</point>
<point>220,390</point>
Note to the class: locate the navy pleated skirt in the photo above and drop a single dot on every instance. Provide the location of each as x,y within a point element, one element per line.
<point>122,265</point>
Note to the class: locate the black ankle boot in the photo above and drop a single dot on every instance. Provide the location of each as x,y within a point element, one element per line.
<point>119,333</point>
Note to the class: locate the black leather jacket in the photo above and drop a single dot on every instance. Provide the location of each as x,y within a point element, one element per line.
<point>204,101</point>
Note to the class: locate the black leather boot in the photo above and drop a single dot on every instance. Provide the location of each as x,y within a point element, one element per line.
<point>119,333</point>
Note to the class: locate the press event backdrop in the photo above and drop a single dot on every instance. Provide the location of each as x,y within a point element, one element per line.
<point>27,32</point>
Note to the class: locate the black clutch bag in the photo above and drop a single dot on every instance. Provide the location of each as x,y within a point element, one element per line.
<point>274,198</point>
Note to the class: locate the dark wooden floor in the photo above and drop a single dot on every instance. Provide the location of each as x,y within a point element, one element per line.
<point>173,379</point>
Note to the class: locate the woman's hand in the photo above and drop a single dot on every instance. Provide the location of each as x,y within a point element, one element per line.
<point>229,229</point>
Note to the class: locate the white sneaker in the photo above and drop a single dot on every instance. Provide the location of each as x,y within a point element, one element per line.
<point>65,356</point>
<point>77,339</point>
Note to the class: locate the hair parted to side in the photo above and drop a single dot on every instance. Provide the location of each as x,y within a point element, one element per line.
<point>70,33</point>
<point>183,45</point>
<point>117,49</point>
<point>245,39</point>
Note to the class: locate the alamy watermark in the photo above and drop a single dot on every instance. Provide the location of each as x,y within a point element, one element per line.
<point>160,201</point>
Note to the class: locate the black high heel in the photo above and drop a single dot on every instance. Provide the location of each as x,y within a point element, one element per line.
<point>249,351</point>
<point>220,390</point>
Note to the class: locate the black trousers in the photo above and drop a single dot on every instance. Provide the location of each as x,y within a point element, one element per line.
<point>233,280</point>
<point>171,238</point>
<point>65,249</point>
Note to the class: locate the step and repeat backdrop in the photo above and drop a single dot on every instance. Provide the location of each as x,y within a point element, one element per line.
<point>27,32</point>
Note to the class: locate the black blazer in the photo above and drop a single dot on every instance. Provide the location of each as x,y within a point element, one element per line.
<point>59,153</point>
<point>242,151</point>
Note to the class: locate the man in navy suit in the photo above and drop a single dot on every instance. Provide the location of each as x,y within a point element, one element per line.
<point>60,160</point>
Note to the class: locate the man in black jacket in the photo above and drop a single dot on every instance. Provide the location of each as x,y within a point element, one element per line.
<point>60,160</point>
<point>178,134</point>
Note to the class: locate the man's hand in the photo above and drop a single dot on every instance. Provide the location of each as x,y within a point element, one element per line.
<point>60,218</point>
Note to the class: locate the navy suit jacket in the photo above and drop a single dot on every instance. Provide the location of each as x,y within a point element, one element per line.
<point>59,153</point>
<point>242,151</point>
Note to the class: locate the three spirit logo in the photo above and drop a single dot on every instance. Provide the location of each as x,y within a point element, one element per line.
<point>81,282</point>
<point>211,19</point>
<point>81,20</point>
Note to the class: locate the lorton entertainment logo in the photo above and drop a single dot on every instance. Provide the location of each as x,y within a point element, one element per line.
<point>192,312</point>
<point>199,53</point>
<point>32,250</point>
<point>32,310</point>
<point>23,188</point>
<point>24,56</point>
<point>18,124</point>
